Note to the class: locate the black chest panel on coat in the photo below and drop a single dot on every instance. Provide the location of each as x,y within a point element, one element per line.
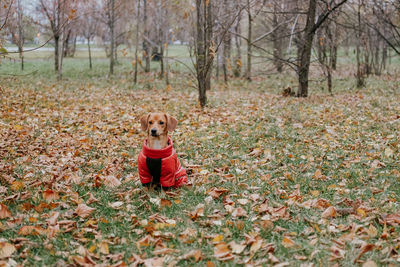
<point>154,166</point>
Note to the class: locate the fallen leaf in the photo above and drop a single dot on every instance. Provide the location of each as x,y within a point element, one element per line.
<point>364,249</point>
<point>330,212</point>
<point>369,263</point>
<point>154,262</point>
<point>103,247</point>
<point>195,254</point>
<point>166,203</point>
<point>50,195</point>
<point>4,212</point>
<point>111,181</point>
<point>83,210</point>
<point>6,250</point>
<point>237,248</point>
<point>287,242</point>
<point>239,212</point>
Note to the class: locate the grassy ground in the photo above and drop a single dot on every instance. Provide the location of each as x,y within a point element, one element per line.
<point>273,179</point>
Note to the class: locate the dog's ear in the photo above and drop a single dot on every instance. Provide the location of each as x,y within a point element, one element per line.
<point>171,123</point>
<point>143,122</point>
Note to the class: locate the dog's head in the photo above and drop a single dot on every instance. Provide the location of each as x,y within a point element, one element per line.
<point>156,124</point>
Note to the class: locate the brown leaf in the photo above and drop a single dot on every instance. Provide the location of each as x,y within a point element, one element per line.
<point>330,212</point>
<point>50,195</point>
<point>103,248</point>
<point>166,203</point>
<point>111,181</point>
<point>369,263</point>
<point>239,212</point>
<point>237,248</point>
<point>6,250</point>
<point>4,212</point>
<point>198,212</point>
<point>222,251</point>
<point>217,192</point>
<point>255,246</point>
<point>154,262</point>
<point>195,254</point>
<point>83,210</point>
<point>364,249</point>
<point>392,219</point>
<point>31,230</point>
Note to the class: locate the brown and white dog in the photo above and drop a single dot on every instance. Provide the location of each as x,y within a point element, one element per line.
<point>158,163</point>
<point>157,126</point>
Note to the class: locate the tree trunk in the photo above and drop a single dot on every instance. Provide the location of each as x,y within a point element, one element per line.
<point>60,55</point>
<point>201,52</point>
<point>56,40</point>
<point>238,58</point>
<point>146,45</point>
<point>208,43</point>
<point>137,43</point>
<point>305,50</point>
<point>111,25</point>
<point>277,37</point>
<point>360,74</point>
<point>249,36</point>
<point>166,42</point>
<point>90,53</point>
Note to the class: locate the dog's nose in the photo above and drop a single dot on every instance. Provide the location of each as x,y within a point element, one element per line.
<point>153,131</point>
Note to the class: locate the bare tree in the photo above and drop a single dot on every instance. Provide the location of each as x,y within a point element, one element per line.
<point>59,13</point>
<point>89,24</point>
<point>304,53</point>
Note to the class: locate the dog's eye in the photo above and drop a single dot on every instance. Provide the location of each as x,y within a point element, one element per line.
<point>150,122</point>
<point>161,122</point>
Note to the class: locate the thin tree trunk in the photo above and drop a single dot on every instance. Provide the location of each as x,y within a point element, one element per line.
<point>249,36</point>
<point>90,53</point>
<point>56,42</point>
<point>238,60</point>
<point>137,43</point>
<point>360,75</point>
<point>277,37</point>
<point>111,24</point>
<point>200,51</point>
<point>146,45</point>
<point>60,55</point>
<point>208,48</point>
<point>166,42</point>
<point>305,50</point>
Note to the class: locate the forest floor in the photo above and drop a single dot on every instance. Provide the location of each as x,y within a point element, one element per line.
<point>273,179</point>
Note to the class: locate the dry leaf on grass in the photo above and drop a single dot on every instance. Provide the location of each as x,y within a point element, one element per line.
<point>6,250</point>
<point>83,210</point>
<point>50,195</point>
<point>4,212</point>
<point>330,212</point>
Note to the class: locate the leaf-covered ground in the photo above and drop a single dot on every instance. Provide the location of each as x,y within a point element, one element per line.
<point>274,180</point>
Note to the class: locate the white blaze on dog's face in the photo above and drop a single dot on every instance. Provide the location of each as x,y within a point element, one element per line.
<point>158,124</point>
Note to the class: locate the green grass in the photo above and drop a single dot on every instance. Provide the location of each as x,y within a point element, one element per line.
<point>87,125</point>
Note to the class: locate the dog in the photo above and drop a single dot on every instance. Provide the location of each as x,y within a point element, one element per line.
<point>158,163</point>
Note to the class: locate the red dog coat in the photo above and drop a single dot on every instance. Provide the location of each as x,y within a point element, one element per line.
<point>161,166</point>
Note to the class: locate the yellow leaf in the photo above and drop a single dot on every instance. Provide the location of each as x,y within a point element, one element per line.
<point>17,186</point>
<point>361,212</point>
<point>287,242</point>
<point>92,248</point>
<point>218,239</point>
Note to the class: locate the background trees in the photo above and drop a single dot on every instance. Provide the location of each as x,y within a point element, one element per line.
<point>246,38</point>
